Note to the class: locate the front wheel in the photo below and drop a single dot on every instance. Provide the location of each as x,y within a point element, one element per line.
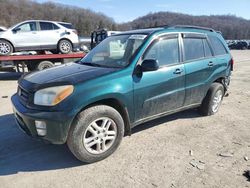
<point>95,133</point>
<point>211,103</point>
<point>5,48</point>
<point>65,46</point>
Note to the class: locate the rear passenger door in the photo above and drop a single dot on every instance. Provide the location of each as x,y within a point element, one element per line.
<point>48,34</point>
<point>221,60</point>
<point>199,66</point>
<point>162,90</point>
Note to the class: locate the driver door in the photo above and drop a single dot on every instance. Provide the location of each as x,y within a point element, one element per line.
<point>163,90</point>
<point>25,36</point>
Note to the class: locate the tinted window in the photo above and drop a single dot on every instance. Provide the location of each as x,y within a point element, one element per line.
<point>193,48</point>
<point>48,26</point>
<point>30,26</point>
<point>166,51</point>
<point>218,47</point>
<point>68,26</point>
<point>207,49</point>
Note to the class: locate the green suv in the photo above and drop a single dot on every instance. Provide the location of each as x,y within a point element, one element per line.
<point>128,79</point>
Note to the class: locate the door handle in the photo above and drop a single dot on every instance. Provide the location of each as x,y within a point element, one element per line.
<point>178,71</point>
<point>34,32</point>
<point>210,64</point>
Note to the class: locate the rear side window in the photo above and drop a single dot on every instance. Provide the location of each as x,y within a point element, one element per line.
<point>193,48</point>
<point>68,26</point>
<point>166,51</point>
<point>218,47</point>
<point>48,26</point>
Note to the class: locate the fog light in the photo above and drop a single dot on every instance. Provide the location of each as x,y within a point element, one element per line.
<point>41,128</point>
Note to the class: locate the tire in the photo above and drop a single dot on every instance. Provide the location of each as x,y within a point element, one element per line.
<point>44,65</point>
<point>212,100</point>
<point>65,46</point>
<point>81,134</point>
<point>5,48</point>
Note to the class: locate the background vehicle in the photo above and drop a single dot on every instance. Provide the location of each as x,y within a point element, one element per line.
<point>33,61</point>
<point>127,79</point>
<point>39,35</point>
<point>99,35</point>
<point>238,44</point>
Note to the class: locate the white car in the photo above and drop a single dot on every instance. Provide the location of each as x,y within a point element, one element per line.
<point>39,35</point>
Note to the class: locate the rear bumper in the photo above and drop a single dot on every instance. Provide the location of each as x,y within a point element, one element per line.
<point>57,123</point>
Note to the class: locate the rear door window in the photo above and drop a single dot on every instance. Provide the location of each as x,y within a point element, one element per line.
<point>217,45</point>
<point>166,51</point>
<point>45,26</point>
<point>207,49</point>
<point>193,49</point>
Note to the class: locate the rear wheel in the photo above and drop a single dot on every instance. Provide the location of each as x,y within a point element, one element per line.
<point>96,133</point>
<point>65,46</point>
<point>213,100</point>
<point>5,48</point>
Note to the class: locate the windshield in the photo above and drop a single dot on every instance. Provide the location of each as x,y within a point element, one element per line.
<point>114,51</point>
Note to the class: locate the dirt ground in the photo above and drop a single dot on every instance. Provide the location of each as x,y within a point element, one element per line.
<point>181,150</point>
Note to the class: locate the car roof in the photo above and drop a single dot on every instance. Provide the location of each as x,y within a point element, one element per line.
<point>171,29</point>
<point>45,21</point>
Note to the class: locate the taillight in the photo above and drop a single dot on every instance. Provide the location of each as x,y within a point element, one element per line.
<point>232,64</point>
<point>75,31</point>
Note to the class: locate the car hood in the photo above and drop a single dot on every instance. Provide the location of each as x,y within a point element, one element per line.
<point>70,73</point>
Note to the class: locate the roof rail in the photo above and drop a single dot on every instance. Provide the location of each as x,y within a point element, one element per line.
<point>193,27</point>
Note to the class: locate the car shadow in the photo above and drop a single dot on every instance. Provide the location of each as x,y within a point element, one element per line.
<point>192,113</point>
<point>20,153</point>
<point>10,75</point>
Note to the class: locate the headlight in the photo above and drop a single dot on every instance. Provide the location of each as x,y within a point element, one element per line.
<point>52,95</point>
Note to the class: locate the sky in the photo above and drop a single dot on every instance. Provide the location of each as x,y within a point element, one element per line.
<point>128,10</point>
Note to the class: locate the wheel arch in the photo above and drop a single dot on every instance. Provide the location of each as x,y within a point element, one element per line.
<point>222,80</point>
<point>117,105</point>
<point>64,39</point>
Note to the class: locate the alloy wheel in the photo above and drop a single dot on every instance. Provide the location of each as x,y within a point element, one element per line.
<point>100,135</point>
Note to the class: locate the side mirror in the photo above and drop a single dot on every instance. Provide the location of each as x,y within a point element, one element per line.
<point>149,65</point>
<point>16,30</point>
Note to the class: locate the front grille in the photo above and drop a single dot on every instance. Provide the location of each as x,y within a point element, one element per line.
<point>24,95</point>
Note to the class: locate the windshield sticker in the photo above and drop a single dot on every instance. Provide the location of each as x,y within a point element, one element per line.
<point>138,37</point>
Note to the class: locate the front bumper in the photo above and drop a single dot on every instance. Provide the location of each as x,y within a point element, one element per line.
<point>57,123</point>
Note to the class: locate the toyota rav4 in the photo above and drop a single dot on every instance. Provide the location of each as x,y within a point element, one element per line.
<point>128,79</point>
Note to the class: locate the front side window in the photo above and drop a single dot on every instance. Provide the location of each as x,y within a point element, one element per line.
<point>166,51</point>
<point>27,27</point>
<point>193,49</point>
<point>114,51</point>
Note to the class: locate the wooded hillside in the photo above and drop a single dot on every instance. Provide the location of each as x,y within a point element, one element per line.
<point>231,26</point>
<point>15,11</point>
<point>85,21</point>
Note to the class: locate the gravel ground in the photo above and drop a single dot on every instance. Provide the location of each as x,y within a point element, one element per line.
<point>181,150</point>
